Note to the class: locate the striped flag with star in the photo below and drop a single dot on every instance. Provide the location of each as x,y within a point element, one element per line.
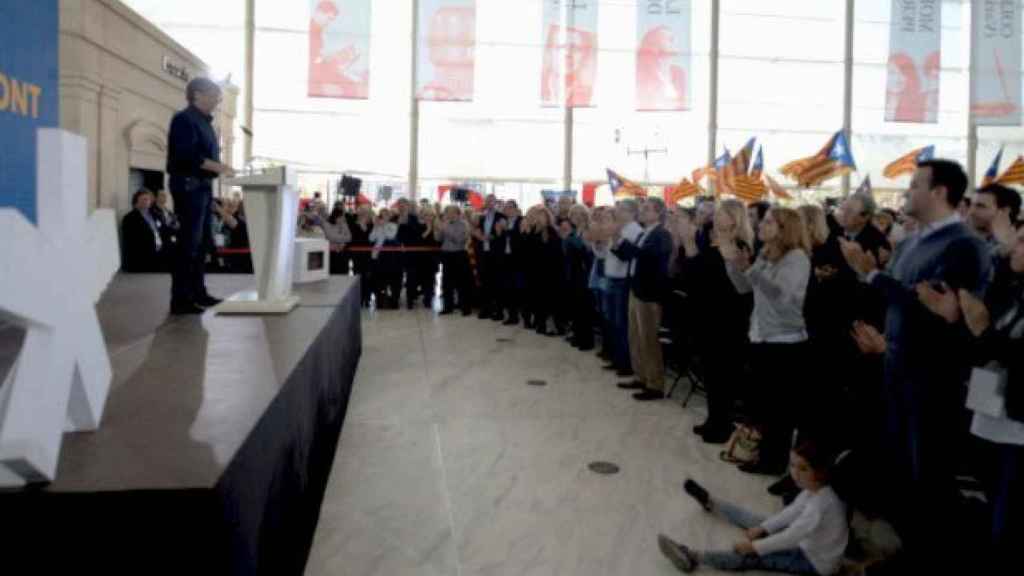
<point>907,163</point>
<point>793,169</point>
<point>623,187</point>
<point>758,168</point>
<point>685,189</point>
<point>993,170</point>
<point>749,189</point>
<point>1014,174</point>
<point>837,162</point>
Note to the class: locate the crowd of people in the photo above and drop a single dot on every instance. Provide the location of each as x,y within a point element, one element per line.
<point>883,345</point>
<point>867,358</point>
<point>150,230</point>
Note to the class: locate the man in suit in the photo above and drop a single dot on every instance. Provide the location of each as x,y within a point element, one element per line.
<point>648,279</point>
<point>410,235</point>
<point>492,225</point>
<point>855,216</point>
<point>925,363</point>
<point>142,236</point>
<point>510,250</point>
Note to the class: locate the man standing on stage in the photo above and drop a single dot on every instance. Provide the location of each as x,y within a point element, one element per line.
<point>193,161</point>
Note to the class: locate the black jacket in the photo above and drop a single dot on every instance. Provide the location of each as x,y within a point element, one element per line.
<point>139,252</point>
<point>650,281</point>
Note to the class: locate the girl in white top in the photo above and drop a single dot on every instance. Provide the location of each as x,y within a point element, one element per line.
<point>807,537</point>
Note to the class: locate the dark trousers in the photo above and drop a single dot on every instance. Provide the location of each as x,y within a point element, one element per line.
<point>616,306</point>
<point>513,283</point>
<point>490,282</point>
<point>193,199</point>
<point>582,305</point>
<point>778,399</point>
<point>722,373</point>
<point>426,276</point>
<point>1006,498</point>
<point>455,277</point>
<point>361,267</point>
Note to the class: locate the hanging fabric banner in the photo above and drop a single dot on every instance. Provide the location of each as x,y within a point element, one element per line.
<point>915,58</point>
<point>663,55</point>
<point>570,53</point>
<point>339,49</point>
<point>447,50</point>
<point>996,60</point>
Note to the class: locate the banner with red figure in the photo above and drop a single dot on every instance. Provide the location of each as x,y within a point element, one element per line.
<point>570,53</point>
<point>447,50</point>
<point>663,55</point>
<point>339,49</point>
<point>996,59</point>
<point>915,57</point>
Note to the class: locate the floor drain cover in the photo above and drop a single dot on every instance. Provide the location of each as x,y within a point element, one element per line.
<point>604,468</point>
<point>504,340</point>
<point>536,382</point>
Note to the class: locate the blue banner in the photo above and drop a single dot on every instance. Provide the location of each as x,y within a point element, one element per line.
<point>28,95</point>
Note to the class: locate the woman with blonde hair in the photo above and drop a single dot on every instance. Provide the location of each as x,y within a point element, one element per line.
<point>452,232</point>
<point>544,277</point>
<point>778,333</point>
<point>719,309</point>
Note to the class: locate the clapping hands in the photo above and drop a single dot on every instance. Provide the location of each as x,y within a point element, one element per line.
<point>863,263</point>
<point>869,340</point>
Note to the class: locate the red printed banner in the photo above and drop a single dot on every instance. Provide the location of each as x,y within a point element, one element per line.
<point>570,53</point>
<point>339,49</point>
<point>996,59</point>
<point>663,55</point>
<point>915,57</point>
<point>447,50</point>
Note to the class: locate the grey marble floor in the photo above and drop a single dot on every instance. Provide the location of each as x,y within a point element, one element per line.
<point>449,464</point>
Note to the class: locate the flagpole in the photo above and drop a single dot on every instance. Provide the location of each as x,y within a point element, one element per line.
<point>848,87</point>
<point>972,123</point>
<point>716,11</point>
<point>569,112</point>
<point>250,67</point>
<point>414,112</point>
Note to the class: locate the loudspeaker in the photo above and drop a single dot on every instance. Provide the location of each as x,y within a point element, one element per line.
<point>350,186</point>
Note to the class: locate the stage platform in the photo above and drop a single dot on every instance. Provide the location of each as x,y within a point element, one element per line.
<point>216,444</point>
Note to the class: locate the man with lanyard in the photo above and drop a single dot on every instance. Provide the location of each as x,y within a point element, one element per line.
<point>193,161</point>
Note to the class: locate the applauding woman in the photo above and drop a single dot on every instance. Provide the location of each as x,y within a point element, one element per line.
<point>778,333</point>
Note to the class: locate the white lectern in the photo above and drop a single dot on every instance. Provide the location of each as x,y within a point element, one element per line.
<point>271,210</point>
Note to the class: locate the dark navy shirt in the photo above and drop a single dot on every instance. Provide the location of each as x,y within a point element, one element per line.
<point>191,141</point>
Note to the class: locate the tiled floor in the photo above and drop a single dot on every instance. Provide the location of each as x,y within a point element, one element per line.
<point>449,464</point>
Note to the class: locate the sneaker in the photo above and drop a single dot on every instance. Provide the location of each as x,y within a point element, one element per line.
<point>698,493</point>
<point>680,556</point>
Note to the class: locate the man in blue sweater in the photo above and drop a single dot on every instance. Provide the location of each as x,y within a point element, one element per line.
<point>925,363</point>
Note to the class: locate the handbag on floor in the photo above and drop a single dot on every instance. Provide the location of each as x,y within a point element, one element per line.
<point>744,446</point>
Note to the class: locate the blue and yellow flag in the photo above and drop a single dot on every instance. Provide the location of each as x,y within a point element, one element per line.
<point>758,168</point>
<point>907,163</point>
<point>993,170</point>
<point>838,161</point>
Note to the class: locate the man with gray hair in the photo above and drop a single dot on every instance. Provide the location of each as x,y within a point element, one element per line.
<point>648,275</point>
<point>193,161</point>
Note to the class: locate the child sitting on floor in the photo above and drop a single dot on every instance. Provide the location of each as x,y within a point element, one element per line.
<point>807,537</point>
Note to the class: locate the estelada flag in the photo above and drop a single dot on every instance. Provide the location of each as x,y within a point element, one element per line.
<point>685,189</point>
<point>1014,174</point>
<point>741,162</point>
<point>712,170</point>
<point>907,163</point>
<point>749,189</point>
<point>839,161</point>
<point>758,168</point>
<point>796,167</point>
<point>623,187</point>
<point>721,173</point>
<point>778,190</point>
<point>865,187</point>
<point>993,169</point>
